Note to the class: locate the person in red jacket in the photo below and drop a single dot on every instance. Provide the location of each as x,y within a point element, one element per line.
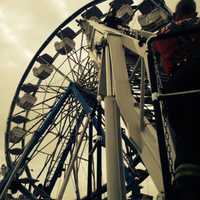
<point>180,58</point>
<point>185,15</point>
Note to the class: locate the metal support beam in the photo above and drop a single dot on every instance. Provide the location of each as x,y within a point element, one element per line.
<point>68,148</point>
<point>145,143</point>
<point>114,160</point>
<point>87,109</point>
<point>73,159</point>
<point>99,152</point>
<point>90,160</point>
<point>115,172</point>
<point>117,83</point>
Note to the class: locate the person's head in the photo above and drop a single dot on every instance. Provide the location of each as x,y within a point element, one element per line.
<point>185,9</point>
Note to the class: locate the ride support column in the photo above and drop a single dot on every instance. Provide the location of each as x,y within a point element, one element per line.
<point>115,172</point>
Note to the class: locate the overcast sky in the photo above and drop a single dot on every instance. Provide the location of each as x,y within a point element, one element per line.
<point>24,25</point>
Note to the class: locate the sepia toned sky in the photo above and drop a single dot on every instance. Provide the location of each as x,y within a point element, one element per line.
<point>24,25</point>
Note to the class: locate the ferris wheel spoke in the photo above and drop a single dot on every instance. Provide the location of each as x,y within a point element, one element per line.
<point>80,52</point>
<point>43,167</point>
<point>77,63</point>
<point>80,67</point>
<point>42,119</point>
<point>57,131</point>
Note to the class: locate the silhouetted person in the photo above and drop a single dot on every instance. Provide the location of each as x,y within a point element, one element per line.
<point>180,58</point>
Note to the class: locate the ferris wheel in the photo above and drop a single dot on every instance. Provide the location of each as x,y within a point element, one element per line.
<point>55,141</point>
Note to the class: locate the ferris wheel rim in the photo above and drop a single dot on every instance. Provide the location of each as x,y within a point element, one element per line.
<point>30,65</point>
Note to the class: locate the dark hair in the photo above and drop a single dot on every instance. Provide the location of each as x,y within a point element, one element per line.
<point>186,8</point>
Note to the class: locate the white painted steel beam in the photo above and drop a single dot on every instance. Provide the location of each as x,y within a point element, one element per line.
<point>114,166</point>
<point>145,141</point>
<point>114,158</point>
